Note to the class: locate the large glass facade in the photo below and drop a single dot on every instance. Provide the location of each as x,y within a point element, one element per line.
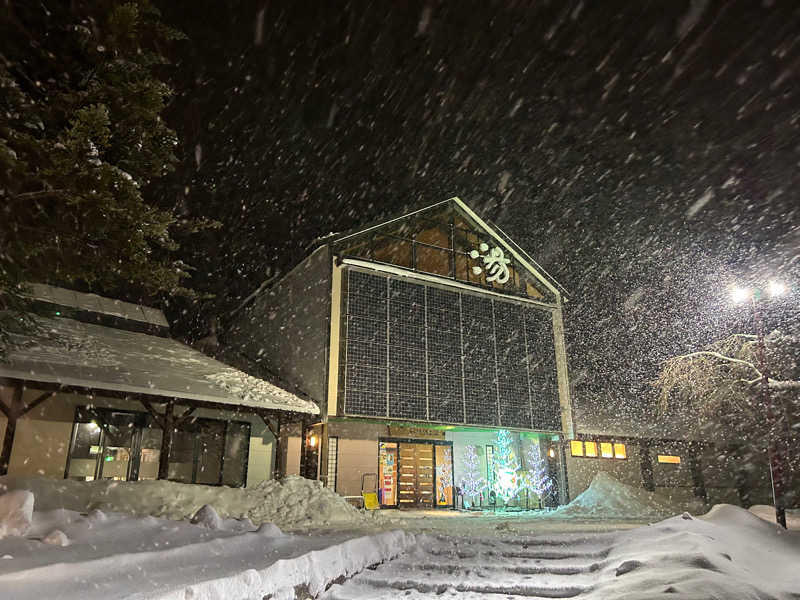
<point>419,352</point>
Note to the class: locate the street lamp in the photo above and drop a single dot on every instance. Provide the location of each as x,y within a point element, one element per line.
<point>777,458</point>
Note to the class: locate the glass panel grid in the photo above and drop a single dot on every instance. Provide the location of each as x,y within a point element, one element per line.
<point>424,353</point>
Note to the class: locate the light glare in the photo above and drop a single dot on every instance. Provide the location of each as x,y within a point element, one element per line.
<point>776,288</point>
<point>739,294</point>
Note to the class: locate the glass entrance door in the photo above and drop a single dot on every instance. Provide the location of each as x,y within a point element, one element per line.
<point>416,476</point>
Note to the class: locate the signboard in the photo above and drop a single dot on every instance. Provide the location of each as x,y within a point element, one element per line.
<point>416,433</point>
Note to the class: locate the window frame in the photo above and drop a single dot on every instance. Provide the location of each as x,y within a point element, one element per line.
<point>142,421</point>
<point>598,444</point>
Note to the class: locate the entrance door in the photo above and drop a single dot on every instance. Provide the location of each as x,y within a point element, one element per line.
<point>415,483</point>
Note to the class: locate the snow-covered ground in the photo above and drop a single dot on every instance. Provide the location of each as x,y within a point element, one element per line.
<point>70,540</point>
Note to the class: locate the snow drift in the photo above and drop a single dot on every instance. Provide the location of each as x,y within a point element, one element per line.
<point>294,502</point>
<point>608,498</point>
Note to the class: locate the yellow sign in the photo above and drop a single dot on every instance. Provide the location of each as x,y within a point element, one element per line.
<point>371,501</point>
<point>416,433</point>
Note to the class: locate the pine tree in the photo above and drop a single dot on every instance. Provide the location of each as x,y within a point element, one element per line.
<point>81,136</point>
<point>536,480</point>
<point>506,467</point>
<point>472,482</point>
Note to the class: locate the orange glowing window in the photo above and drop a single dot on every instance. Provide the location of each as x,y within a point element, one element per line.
<point>620,451</point>
<point>669,459</point>
<point>606,450</point>
<point>591,448</point>
<point>576,448</point>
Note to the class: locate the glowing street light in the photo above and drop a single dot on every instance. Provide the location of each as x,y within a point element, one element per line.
<point>775,451</point>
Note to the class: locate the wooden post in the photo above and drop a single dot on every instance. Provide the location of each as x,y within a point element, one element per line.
<point>303,449</point>
<point>280,462</point>
<point>277,469</point>
<point>13,412</point>
<point>646,465</point>
<point>698,481</point>
<point>166,440</point>
<point>323,453</point>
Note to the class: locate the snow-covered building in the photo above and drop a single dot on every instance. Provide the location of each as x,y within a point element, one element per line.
<point>89,392</point>
<point>417,336</point>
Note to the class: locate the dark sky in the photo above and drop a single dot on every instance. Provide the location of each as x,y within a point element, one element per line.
<point>645,153</point>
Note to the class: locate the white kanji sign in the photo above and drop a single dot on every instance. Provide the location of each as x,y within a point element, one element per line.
<point>494,261</point>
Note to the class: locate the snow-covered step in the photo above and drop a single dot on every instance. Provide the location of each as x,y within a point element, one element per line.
<point>429,587</point>
<point>356,590</point>
<point>523,568</point>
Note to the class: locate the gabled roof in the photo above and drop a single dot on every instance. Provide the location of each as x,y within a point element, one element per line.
<point>488,228</point>
<point>74,354</point>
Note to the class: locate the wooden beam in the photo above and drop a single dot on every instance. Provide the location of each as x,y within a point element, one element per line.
<point>36,402</point>
<point>5,408</point>
<point>185,416</point>
<point>159,419</point>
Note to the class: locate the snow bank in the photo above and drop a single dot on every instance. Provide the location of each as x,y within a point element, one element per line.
<point>137,558</point>
<point>294,502</point>
<point>727,553</point>
<point>608,498</point>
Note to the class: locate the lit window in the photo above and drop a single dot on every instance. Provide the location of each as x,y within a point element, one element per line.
<point>576,447</point>
<point>606,450</point>
<point>620,451</point>
<point>591,448</point>
<point>669,459</point>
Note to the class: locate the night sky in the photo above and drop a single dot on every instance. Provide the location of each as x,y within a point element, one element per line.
<point>645,153</point>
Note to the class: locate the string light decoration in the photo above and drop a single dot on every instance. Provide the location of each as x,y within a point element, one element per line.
<point>472,482</point>
<point>536,480</point>
<point>506,467</point>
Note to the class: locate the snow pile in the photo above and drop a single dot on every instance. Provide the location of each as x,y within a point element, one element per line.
<point>294,502</point>
<point>16,512</point>
<point>728,553</point>
<point>608,498</point>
